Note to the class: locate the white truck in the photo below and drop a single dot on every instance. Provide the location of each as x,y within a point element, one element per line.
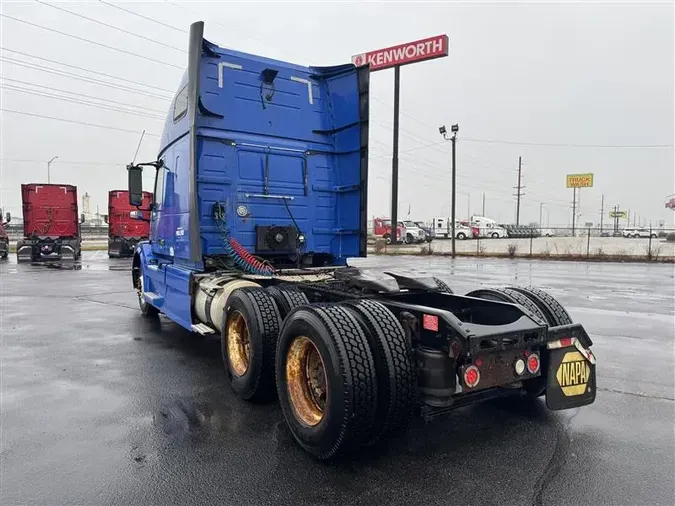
<point>488,227</point>
<point>413,233</point>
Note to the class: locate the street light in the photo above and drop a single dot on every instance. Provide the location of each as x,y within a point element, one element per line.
<point>48,164</point>
<point>443,131</point>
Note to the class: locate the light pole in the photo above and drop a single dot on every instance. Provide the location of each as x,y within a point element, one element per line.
<point>48,165</point>
<point>454,129</point>
<point>548,219</point>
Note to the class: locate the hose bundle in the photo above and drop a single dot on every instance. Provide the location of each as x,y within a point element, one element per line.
<point>244,260</point>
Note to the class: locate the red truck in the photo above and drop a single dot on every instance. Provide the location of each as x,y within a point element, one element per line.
<point>51,229</point>
<point>4,238</point>
<point>382,228</point>
<point>124,232</point>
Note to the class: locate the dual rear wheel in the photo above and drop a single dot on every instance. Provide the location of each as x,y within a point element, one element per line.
<point>343,373</point>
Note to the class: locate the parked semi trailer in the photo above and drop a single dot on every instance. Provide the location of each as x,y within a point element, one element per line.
<point>51,230</point>
<point>4,238</point>
<point>127,224</point>
<point>259,202</point>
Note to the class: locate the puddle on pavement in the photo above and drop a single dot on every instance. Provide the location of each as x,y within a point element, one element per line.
<point>78,266</point>
<point>182,416</point>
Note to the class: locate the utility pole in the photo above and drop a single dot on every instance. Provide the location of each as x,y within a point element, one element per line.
<point>541,208</point>
<point>483,205</point>
<point>602,213</point>
<point>574,208</point>
<point>394,160</point>
<point>454,129</point>
<point>518,192</point>
<point>628,219</point>
<point>49,163</point>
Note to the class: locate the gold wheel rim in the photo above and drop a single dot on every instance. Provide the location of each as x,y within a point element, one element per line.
<point>238,343</point>
<point>306,381</point>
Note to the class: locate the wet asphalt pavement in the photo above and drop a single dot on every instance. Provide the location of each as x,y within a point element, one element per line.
<point>101,406</point>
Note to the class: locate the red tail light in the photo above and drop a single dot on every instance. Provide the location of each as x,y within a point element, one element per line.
<point>471,376</point>
<point>533,363</point>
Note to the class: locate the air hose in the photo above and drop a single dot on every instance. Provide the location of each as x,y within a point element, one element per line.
<point>244,260</point>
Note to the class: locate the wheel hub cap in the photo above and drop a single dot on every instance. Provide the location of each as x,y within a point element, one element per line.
<point>306,381</point>
<point>238,343</point>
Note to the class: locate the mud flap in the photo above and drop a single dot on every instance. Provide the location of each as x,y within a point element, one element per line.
<point>24,253</point>
<point>570,380</point>
<point>114,249</point>
<point>68,254</point>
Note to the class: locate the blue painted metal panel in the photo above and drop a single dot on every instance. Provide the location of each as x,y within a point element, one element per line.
<point>245,140</point>
<point>178,304</point>
<point>298,138</point>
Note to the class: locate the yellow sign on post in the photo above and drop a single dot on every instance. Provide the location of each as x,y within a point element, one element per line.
<point>580,180</point>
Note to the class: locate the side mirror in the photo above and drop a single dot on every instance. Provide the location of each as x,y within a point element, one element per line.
<point>8,217</point>
<point>82,219</point>
<point>105,218</point>
<point>135,185</point>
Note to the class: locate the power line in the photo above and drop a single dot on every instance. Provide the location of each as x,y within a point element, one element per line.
<point>113,27</point>
<point>84,95</point>
<point>76,122</point>
<point>143,17</point>
<point>171,92</point>
<point>411,149</point>
<point>564,145</point>
<point>84,39</point>
<point>79,102</point>
<point>71,162</point>
<point>63,73</point>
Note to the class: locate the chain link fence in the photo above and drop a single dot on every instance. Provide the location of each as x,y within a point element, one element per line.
<point>635,244</point>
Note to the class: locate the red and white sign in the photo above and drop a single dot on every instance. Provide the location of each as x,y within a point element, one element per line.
<point>410,52</point>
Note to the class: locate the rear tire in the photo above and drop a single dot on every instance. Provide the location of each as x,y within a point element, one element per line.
<point>512,296</point>
<point>443,286</point>
<point>287,298</point>
<point>396,380</point>
<point>495,235</point>
<point>248,342</point>
<point>326,380</point>
<point>461,236</point>
<point>554,311</point>
<point>555,315</point>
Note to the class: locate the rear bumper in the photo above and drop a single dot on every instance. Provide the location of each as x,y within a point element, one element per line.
<point>47,250</point>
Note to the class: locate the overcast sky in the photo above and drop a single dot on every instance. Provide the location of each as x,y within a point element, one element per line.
<point>566,73</point>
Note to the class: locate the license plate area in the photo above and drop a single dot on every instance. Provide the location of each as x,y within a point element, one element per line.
<point>498,369</point>
<point>570,381</point>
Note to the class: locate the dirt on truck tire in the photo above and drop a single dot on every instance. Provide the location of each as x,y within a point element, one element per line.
<point>248,342</point>
<point>316,343</point>
<point>396,379</point>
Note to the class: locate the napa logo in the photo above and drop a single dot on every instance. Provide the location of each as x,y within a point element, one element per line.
<point>573,374</point>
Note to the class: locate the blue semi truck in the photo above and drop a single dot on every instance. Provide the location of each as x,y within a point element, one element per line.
<point>259,201</point>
